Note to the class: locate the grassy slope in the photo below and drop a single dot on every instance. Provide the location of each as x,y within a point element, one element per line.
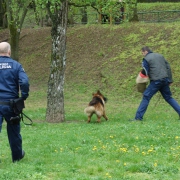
<point>98,57</point>
<point>93,50</point>
<point>158,6</point>
<point>101,57</point>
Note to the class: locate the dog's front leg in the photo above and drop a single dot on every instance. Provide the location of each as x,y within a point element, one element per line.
<point>98,119</point>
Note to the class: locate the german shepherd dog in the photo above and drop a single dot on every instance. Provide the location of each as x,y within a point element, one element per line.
<point>96,106</point>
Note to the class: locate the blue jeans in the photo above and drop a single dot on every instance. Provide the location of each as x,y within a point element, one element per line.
<point>153,88</point>
<point>13,131</point>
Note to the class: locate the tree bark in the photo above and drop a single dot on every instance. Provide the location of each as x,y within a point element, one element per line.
<point>14,32</point>
<point>55,93</point>
<point>14,41</point>
<point>135,14</point>
<point>84,18</point>
<point>1,13</point>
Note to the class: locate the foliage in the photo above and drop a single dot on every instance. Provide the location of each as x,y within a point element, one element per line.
<point>16,10</point>
<point>111,8</point>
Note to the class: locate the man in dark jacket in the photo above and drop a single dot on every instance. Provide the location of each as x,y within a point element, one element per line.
<point>158,69</point>
<point>12,80</point>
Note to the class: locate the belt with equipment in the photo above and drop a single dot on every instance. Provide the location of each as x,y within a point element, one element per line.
<point>5,103</point>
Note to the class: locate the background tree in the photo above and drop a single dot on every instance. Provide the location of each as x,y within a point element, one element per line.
<point>3,17</point>
<point>58,12</point>
<point>132,10</point>
<point>84,18</point>
<point>78,7</point>
<point>16,12</point>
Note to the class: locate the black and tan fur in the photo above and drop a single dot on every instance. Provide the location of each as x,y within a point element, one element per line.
<point>96,106</point>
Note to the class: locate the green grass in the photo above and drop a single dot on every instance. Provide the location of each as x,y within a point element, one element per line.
<point>146,7</point>
<point>114,149</point>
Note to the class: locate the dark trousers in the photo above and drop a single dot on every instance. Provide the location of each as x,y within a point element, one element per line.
<point>13,131</point>
<point>153,88</point>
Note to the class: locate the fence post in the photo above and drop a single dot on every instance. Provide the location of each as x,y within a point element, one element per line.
<point>158,17</point>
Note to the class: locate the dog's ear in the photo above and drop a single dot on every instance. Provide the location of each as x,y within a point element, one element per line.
<point>98,92</point>
<point>105,99</point>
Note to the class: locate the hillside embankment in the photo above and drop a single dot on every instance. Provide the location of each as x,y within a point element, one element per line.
<point>100,57</point>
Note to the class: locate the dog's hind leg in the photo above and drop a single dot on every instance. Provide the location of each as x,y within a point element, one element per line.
<point>89,118</point>
<point>104,115</point>
<point>98,119</point>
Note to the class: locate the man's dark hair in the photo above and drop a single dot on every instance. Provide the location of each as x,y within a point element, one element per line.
<point>146,48</point>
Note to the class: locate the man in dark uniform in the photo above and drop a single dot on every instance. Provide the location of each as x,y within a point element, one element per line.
<point>12,80</point>
<point>158,69</point>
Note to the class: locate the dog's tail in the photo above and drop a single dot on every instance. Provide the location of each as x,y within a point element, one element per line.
<point>89,110</point>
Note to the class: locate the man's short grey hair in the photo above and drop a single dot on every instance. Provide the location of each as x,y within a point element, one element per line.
<point>146,48</point>
<point>5,47</point>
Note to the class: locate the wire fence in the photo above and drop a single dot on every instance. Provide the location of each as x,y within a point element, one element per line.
<point>159,16</point>
<point>153,16</point>
<point>119,18</point>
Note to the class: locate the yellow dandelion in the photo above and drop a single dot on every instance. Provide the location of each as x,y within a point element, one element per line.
<point>137,149</point>
<point>117,161</point>
<point>123,149</point>
<point>125,164</point>
<point>94,148</point>
<point>150,150</point>
<point>176,137</point>
<point>155,164</point>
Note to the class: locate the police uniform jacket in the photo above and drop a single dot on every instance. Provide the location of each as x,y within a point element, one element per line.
<point>12,79</point>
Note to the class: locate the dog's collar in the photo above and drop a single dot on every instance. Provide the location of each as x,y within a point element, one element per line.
<point>102,100</point>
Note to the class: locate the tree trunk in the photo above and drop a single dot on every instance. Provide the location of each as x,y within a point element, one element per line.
<point>55,94</point>
<point>14,32</point>
<point>3,17</point>
<point>84,18</point>
<point>14,41</point>
<point>1,13</point>
<point>135,14</point>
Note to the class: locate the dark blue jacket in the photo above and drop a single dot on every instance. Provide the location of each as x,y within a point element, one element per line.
<point>13,80</point>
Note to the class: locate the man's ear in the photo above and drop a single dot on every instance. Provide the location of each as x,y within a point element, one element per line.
<point>9,53</point>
